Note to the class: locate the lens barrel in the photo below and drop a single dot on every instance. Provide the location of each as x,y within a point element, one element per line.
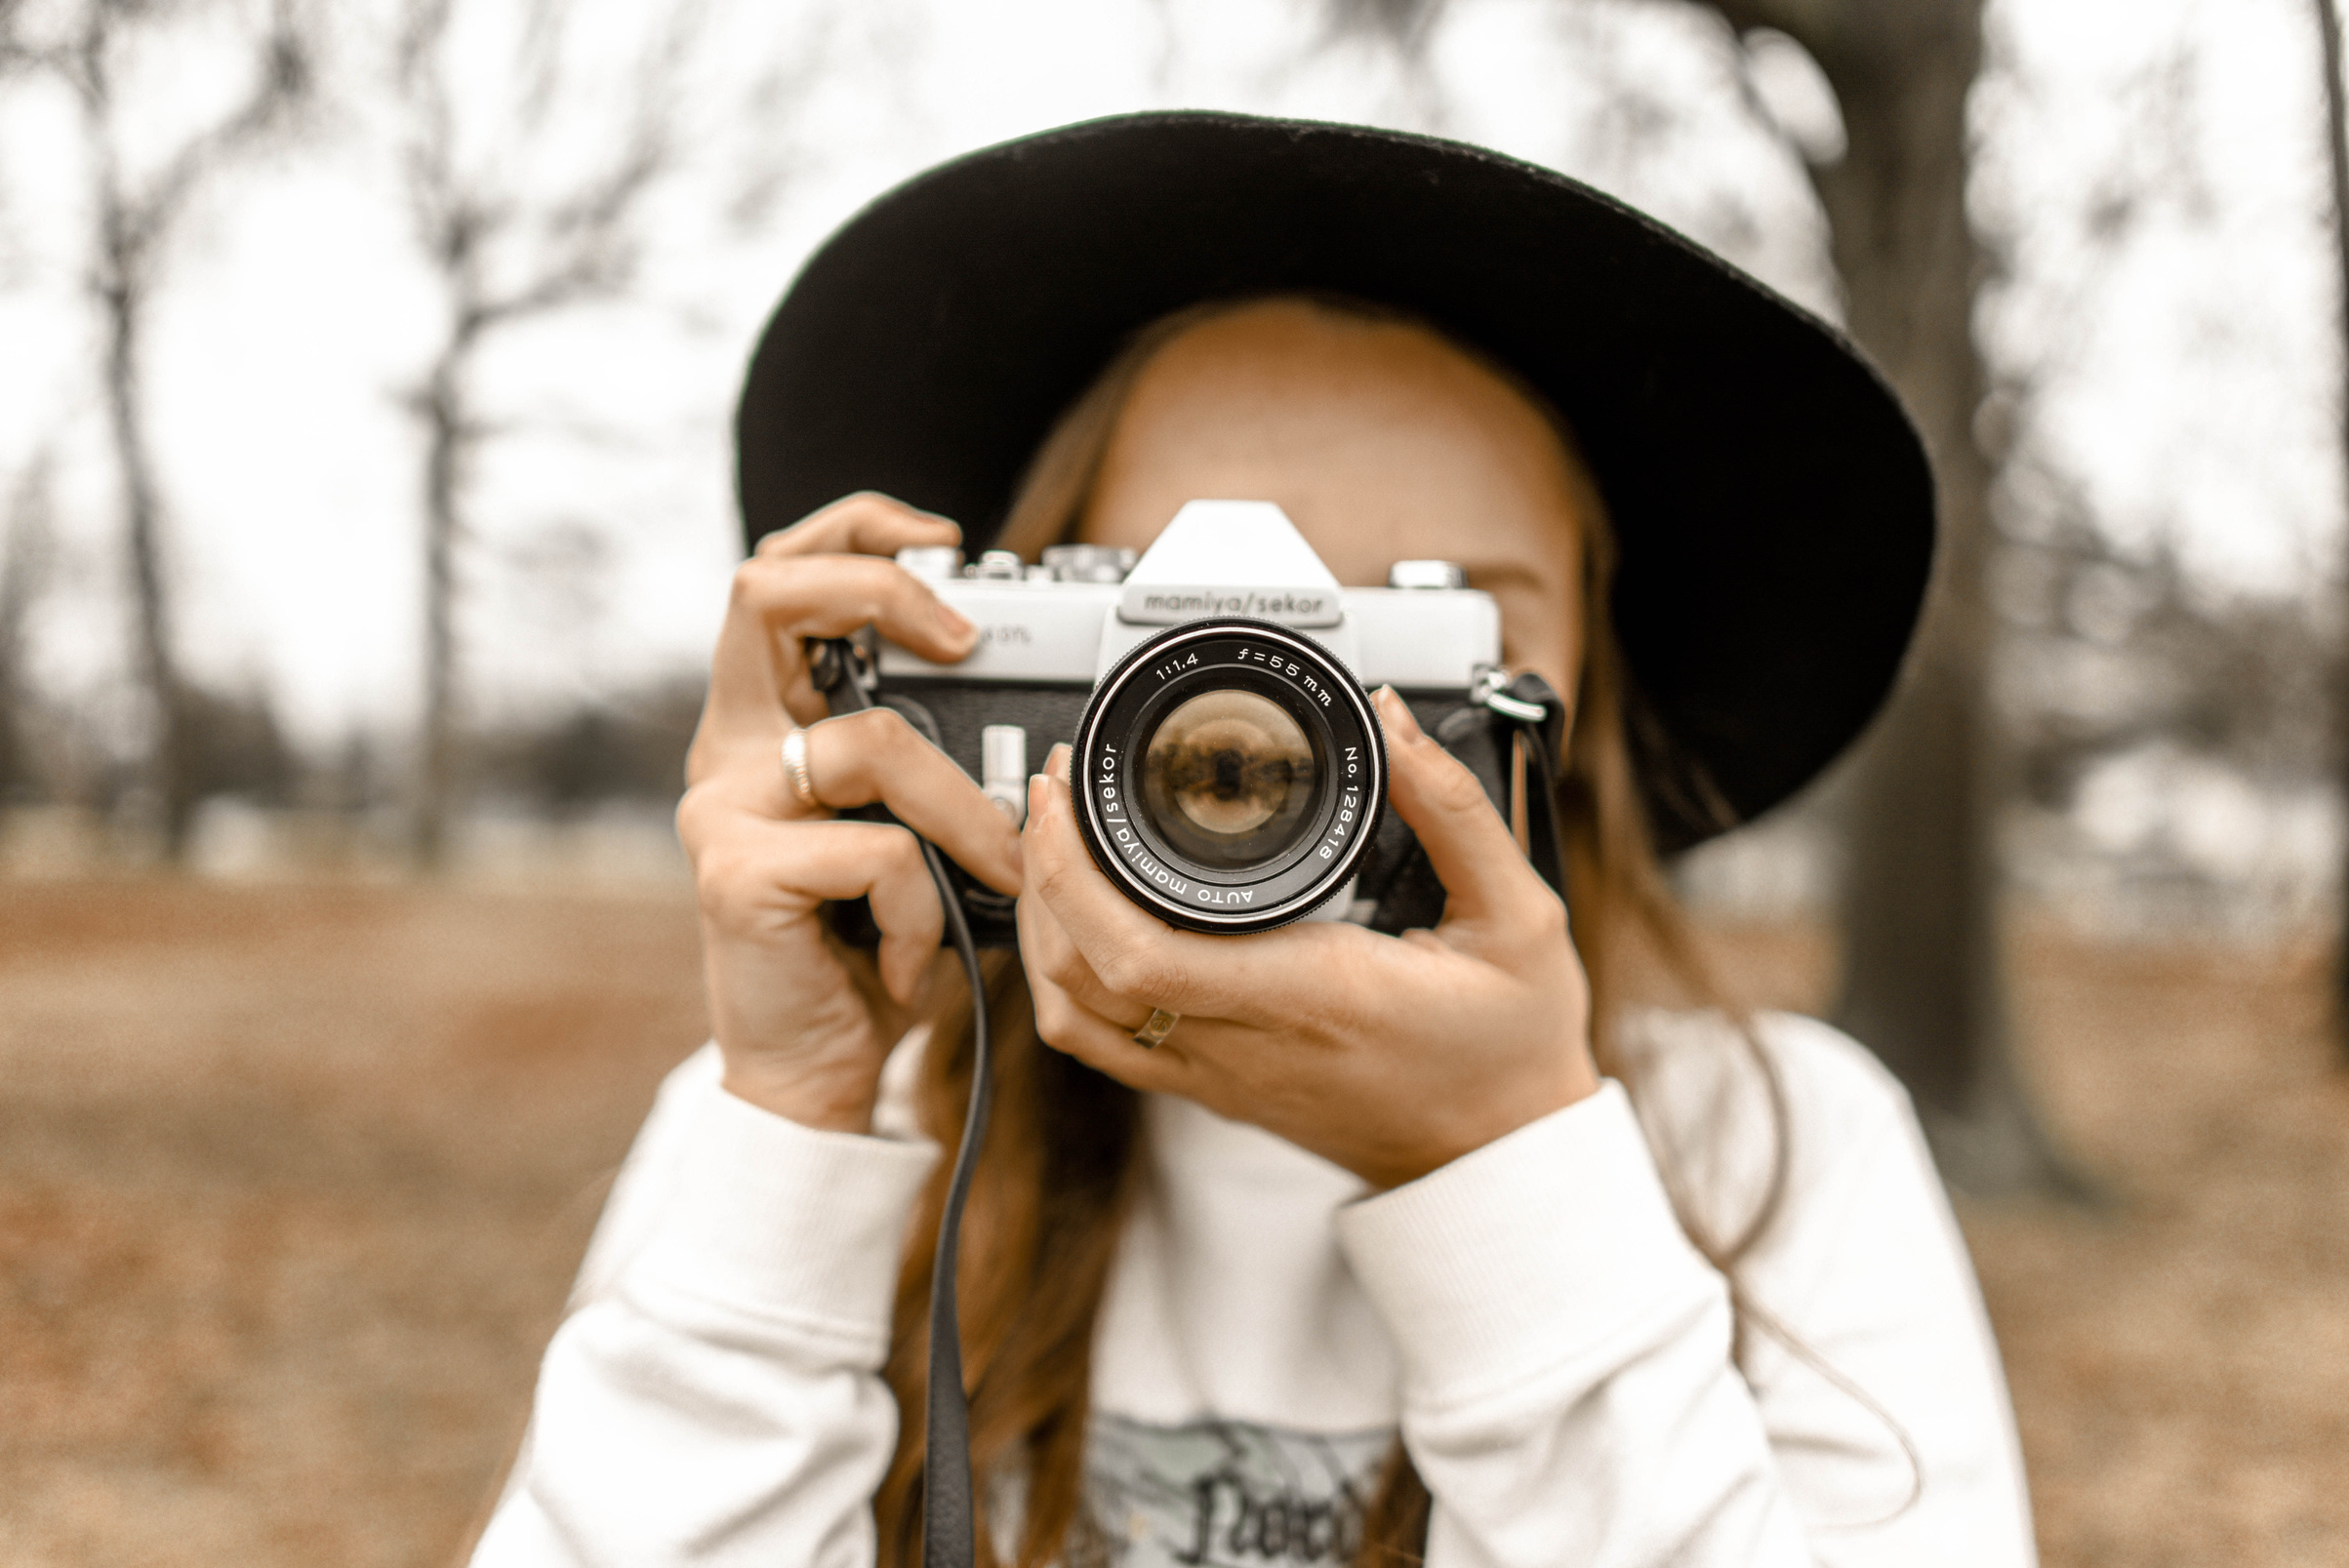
<point>1231,773</point>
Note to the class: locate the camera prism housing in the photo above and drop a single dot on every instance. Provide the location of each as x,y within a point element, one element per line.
<point>1229,768</point>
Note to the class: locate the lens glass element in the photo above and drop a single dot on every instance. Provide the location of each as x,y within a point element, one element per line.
<point>1228,779</point>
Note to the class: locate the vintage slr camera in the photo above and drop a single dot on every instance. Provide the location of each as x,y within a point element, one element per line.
<point>1230,767</point>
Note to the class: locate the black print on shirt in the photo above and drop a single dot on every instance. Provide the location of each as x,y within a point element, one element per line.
<point>1283,1527</point>
<point>1223,1495</point>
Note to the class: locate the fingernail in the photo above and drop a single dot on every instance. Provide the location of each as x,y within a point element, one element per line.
<point>953,622</point>
<point>1398,714</point>
<point>1056,762</point>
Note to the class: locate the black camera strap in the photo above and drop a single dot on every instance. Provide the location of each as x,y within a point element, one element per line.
<point>1531,712</point>
<point>948,1527</point>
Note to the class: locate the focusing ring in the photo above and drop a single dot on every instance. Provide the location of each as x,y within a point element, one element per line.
<point>1317,691</point>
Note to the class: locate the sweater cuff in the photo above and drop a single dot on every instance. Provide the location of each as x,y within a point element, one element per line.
<point>1538,1246</point>
<point>786,1223</point>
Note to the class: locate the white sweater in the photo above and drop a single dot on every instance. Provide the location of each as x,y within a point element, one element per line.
<point>1557,1355</point>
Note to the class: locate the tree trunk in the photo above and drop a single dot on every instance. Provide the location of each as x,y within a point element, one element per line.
<point>25,558</point>
<point>1923,982</point>
<point>2337,142</point>
<point>171,770</point>
<point>135,217</point>
<point>444,438</point>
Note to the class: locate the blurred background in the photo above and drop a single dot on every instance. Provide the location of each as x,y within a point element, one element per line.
<point>365,375</point>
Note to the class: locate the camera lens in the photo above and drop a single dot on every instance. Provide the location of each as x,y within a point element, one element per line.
<point>1226,778</point>
<point>1231,773</point>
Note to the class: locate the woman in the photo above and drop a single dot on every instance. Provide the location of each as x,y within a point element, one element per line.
<point>1394,1248</point>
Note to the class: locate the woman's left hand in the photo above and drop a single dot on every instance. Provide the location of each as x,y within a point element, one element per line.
<point>1387,1056</point>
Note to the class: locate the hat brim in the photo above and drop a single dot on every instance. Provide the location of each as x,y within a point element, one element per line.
<point>1772,503</point>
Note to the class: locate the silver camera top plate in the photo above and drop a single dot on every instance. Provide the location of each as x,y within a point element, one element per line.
<point>1215,558</point>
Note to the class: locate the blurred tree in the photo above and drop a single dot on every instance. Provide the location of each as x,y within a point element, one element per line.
<point>2115,651</point>
<point>2336,143</point>
<point>1923,976</point>
<point>629,747</point>
<point>144,176</point>
<point>1408,30</point>
<point>238,748</point>
<point>25,562</point>
<point>2183,726</point>
<point>529,181</point>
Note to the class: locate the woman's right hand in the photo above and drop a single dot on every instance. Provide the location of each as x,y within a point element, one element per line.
<point>805,1024</point>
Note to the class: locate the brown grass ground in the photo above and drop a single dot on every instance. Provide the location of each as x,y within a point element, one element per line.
<point>292,1180</point>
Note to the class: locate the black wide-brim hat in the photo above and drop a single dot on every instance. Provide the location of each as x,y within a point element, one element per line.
<point>1771,502</point>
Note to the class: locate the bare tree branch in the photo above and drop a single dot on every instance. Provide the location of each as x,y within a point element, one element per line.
<point>2336,138</point>
<point>508,252</point>
<point>133,221</point>
<point>546,23</point>
<point>1404,25</point>
<point>282,85</point>
<point>15,54</point>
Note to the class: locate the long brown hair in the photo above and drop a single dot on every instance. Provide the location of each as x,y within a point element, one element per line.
<point>1060,1166</point>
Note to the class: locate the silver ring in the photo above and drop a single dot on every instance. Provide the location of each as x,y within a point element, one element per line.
<point>1157,1028</point>
<point>794,769</point>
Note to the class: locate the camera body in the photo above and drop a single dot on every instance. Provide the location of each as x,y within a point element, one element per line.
<point>1231,770</point>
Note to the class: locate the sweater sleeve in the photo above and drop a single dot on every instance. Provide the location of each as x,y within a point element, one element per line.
<point>1569,1394</point>
<point>715,1395</point>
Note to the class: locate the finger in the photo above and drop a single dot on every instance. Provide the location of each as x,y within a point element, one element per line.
<point>867,523</point>
<point>1048,955</point>
<point>1067,1026</point>
<point>755,674</point>
<point>1052,960</point>
<point>1470,848</point>
<point>1145,960</point>
<point>774,872</point>
<point>777,604</point>
<point>833,595</point>
<point>876,755</point>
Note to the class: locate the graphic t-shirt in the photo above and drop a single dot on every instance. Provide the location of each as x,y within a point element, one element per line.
<point>1221,1494</point>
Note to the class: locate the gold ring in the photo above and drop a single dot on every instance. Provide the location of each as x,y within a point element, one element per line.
<point>794,769</point>
<point>1160,1025</point>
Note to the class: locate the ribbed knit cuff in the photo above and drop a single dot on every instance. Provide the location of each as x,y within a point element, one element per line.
<point>786,1223</point>
<point>1537,1247</point>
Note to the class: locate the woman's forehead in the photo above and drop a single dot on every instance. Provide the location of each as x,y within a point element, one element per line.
<point>1381,439</point>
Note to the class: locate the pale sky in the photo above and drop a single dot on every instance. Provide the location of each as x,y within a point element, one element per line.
<point>2185,372</point>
